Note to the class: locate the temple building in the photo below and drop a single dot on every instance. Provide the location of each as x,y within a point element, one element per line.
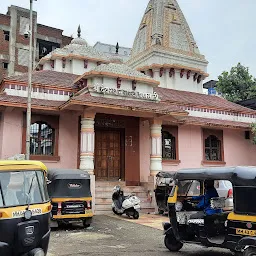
<point>127,121</point>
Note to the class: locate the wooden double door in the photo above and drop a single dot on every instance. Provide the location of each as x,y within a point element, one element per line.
<point>108,154</point>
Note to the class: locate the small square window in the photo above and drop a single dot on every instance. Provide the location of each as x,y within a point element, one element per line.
<point>6,35</point>
<point>5,65</point>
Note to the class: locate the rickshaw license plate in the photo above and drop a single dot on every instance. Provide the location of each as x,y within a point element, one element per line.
<point>245,232</point>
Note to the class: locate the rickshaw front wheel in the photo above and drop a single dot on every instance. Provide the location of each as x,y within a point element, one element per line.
<point>250,252</point>
<point>172,244</point>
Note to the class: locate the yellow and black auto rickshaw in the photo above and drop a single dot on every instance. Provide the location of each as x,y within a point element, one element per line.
<point>24,209</point>
<point>71,197</point>
<point>234,229</point>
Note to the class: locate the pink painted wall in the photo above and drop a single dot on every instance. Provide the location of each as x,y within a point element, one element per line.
<point>68,141</point>
<point>237,150</point>
<point>190,148</point>
<point>11,132</point>
<point>11,137</point>
<point>145,146</point>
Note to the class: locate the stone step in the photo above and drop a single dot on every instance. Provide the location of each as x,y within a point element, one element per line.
<point>127,190</point>
<point>109,183</point>
<point>109,200</point>
<point>98,212</point>
<point>109,194</point>
<point>103,207</point>
<point>147,210</point>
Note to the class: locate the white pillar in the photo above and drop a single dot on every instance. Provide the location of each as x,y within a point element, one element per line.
<point>87,143</point>
<point>156,147</point>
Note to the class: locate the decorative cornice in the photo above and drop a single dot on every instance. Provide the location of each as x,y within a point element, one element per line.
<point>175,66</point>
<point>114,75</point>
<point>71,56</point>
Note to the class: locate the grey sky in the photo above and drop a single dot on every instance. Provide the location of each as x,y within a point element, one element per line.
<point>224,29</point>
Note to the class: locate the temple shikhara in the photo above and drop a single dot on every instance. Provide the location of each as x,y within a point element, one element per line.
<point>127,120</point>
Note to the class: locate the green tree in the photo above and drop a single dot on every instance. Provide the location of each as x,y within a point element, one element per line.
<point>237,85</point>
<point>254,132</point>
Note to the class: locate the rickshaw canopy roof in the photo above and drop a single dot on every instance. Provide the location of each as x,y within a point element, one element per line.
<point>19,165</point>
<point>238,176</point>
<point>62,174</point>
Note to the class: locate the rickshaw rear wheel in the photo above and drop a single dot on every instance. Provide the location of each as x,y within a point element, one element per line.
<point>172,244</point>
<point>250,252</point>
<point>85,224</point>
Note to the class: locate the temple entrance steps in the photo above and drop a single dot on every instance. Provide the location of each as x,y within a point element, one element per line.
<point>103,196</point>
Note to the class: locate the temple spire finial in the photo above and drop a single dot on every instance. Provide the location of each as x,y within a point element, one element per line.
<point>117,48</point>
<point>79,31</point>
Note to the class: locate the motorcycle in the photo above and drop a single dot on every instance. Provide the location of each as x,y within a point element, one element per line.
<point>130,205</point>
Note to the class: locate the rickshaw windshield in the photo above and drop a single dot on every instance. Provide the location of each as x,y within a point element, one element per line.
<point>189,188</point>
<point>22,188</point>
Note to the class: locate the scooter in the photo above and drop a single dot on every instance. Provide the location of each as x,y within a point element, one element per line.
<point>130,205</point>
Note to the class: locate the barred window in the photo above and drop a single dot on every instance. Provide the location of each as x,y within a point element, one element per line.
<point>168,146</point>
<point>213,149</point>
<point>42,139</point>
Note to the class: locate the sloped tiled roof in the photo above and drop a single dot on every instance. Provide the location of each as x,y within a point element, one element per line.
<point>137,105</point>
<point>183,98</point>
<point>213,122</point>
<point>120,69</point>
<point>22,101</point>
<point>174,98</point>
<point>46,77</point>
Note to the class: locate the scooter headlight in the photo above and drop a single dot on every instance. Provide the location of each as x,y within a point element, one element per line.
<point>37,252</point>
<point>178,206</point>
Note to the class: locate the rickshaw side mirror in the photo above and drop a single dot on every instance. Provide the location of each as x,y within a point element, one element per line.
<point>48,181</point>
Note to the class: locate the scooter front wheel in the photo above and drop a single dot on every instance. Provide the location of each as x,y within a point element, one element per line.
<point>115,212</point>
<point>136,215</point>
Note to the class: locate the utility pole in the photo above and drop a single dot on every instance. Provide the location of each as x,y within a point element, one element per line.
<point>30,34</point>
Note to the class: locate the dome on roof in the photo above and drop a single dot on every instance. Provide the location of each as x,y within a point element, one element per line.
<point>116,59</point>
<point>79,41</point>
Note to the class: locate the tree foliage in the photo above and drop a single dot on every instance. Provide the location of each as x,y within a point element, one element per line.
<point>237,85</point>
<point>254,132</point>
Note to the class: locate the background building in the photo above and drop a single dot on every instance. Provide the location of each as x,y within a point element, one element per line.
<point>110,50</point>
<point>14,46</point>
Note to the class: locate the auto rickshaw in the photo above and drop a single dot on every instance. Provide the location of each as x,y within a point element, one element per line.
<point>24,209</point>
<point>71,197</point>
<point>162,190</point>
<point>232,229</point>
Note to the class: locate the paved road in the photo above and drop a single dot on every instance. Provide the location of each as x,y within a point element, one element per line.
<point>112,236</point>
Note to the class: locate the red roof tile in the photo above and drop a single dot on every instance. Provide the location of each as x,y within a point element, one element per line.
<point>156,107</point>
<point>184,98</point>
<point>46,77</point>
<point>213,122</point>
<point>6,100</point>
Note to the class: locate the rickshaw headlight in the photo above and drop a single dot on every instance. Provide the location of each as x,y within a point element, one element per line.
<point>178,206</point>
<point>27,215</point>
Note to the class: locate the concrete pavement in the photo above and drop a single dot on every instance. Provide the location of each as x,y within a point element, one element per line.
<point>114,235</point>
<point>149,220</point>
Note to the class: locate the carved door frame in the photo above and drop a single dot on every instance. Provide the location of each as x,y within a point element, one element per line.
<point>122,148</point>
